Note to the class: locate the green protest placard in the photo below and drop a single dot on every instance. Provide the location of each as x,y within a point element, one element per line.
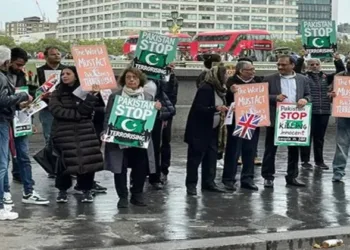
<point>131,122</point>
<point>22,126</point>
<point>154,52</point>
<point>319,38</point>
<point>292,127</point>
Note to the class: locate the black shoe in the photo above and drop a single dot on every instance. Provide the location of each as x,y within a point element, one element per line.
<point>16,178</point>
<point>250,186</point>
<point>62,197</point>
<point>214,189</point>
<point>157,186</point>
<point>229,185</point>
<point>192,191</point>
<point>98,189</point>
<point>123,203</point>
<point>322,166</point>
<point>137,200</point>
<point>87,197</point>
<point>295,183</point>
<point>306,165</point>
<point>268,183</point>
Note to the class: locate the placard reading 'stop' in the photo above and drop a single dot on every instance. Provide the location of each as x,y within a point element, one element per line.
<point>156,49</point>
<point>93,67</point>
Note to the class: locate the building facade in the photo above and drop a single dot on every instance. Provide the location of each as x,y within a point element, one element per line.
<point>95,19</point>
<point>315,10</point>
<point>29,25</point>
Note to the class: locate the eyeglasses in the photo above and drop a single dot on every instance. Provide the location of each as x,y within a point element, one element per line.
<point>314,64</point>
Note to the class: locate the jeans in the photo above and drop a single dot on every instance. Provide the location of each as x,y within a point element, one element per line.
<point>46,120</point>
<point>4,158</point>
<point>23,161</point>
<point>342,146</point>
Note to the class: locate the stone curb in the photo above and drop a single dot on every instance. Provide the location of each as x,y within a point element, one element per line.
<point>292,240</point>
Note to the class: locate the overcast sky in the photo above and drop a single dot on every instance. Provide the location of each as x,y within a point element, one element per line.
<point>14,10</point>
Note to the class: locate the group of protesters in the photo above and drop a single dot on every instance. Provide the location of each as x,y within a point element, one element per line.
<point>73,129</point>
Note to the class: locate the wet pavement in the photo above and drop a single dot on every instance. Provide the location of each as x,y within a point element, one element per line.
<point>172,215</point>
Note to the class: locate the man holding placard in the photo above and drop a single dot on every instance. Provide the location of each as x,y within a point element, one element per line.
<point>289,87</point>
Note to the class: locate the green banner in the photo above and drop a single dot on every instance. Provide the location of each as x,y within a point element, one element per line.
<point>22,126</point>
<point>293,125</point>
<point>131,122</point>
<point>319,38</point>
<point>154,52</point>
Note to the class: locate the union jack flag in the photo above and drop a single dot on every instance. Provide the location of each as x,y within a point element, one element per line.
<point>246,126</point>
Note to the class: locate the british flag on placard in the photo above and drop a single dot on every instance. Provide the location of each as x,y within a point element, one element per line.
<point>246,126</point>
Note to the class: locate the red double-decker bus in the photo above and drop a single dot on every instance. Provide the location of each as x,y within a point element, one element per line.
<point>250,43</point>
<point>183,46</point>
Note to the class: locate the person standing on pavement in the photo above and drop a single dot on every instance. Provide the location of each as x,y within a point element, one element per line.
<point>321,109</point>
<point>19,58</point>
<point>53,62</point>
<point>205,133</point>
<point>73,137</point>
<point>170,88</point>
<point>119,158</point>
<point>290,87</point>
<point>342,139</point>
<point>8,102</point>
<point>236,146</point>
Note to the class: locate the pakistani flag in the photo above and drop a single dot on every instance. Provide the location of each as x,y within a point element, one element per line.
<point>153,59</point>
<point>130,125</point>
<point>318,42</point>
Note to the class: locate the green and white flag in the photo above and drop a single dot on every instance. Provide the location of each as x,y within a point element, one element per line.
<point>293,125</point>
<point>131,122</point>
<point>319,38</point>
<point>154,52</point>
<point>22,126</point>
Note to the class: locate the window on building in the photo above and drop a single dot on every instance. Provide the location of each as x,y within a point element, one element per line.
<point>242,1</point>
<point>92,26</point>
<point>275,19</point>
<point>130,14</point>
<point>240,26</point>
<point>131,23</point>
<point>206,17</point>
<point>115,33</point>
<point>206,26</point>
<point>259,2</point>
<point>241,9</point>
<point>224,26</point>
<point>115,24</point>
<point>108,34</point>
<point>151,24</point>
<point>108,25</point>
<point>206,1</point>
<point>258,18</point>
<point>258,10</point>
<point>187,25</point>
<point>223,9</point>
<point>152,6</point>
<point>170,6</point>
<point>290,11</point>
<point>108,16</point>
<point>224,17</point>
<point>242,18</point>
<point>188,7</point>
<point>275,10</point>
<point>276,2</point>
<point>290,28</point>
<point>151,15</point>
<point>189,16</point>
<point>224,1</point>
<point>275,27</point>
<point>130,5</point>
<point>258,26</point>
<point>85,36</point>
<point>206,8</point>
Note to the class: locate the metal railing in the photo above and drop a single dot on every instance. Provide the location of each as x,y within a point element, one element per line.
<point>188,65</point>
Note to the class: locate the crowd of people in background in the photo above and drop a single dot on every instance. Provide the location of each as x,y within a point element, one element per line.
<point>73,129</point>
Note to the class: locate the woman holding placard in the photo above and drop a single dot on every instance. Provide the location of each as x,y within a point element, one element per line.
<point>73,136</point>
<point>117,157</point>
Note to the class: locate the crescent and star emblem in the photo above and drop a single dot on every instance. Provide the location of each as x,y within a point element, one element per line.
<point>125,127</point>
<point>149,58</point>
<point>316,43</point>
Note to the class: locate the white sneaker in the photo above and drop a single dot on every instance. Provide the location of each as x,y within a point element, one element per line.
<point>8,199</point>
<point>220,164</point>
<point>8,207</point>
<point>34,198</point>
<point>7,215</point>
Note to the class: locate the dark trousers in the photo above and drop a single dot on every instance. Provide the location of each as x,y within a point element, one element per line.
<point>235,147</point>
<point>268,164</point>
<point>137,160</point>
<point>84,181</point>
<point>161,138</point>
<point>319,124</point>
<point>207,157</point>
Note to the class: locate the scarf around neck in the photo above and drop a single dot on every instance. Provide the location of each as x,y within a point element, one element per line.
<point>133,93</point>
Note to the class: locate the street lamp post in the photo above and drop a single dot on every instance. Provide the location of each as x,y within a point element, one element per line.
<point>175,23</point>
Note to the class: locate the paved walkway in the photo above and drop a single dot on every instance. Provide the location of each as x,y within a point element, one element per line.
<point>171,215</point>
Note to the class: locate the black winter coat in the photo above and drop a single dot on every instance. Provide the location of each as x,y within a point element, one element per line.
<point>201,117</point>
<point>168,109</point>
<point>73,134</point>
<point>171,88</point>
